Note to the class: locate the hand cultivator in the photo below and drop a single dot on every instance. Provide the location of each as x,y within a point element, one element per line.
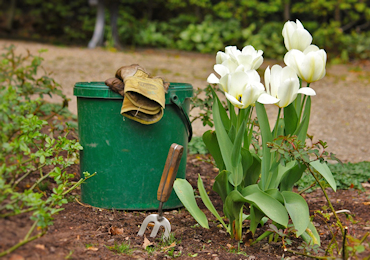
<point>164,192</point>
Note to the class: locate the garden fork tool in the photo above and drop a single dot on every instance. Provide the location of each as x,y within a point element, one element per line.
<point>164,192</point>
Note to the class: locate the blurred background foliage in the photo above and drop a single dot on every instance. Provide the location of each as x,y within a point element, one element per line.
<point>341,27</point>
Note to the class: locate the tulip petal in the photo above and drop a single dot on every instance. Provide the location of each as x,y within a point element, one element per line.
<point>221,69</point>
<point>237,83</point>
<point>212,79</point>
<point>287,92</point>
<point>265,98</point>
<point>267,77</point>
<point>307,91</point>
<point>225,82</point>
<point>233,100</point>
<point>221,57</point>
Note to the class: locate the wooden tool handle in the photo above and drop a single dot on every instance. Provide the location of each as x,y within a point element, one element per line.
<point>169,172</point>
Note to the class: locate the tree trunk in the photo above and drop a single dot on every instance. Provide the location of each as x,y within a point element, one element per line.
<point>98,37</point>
<point>10,17</point>
<point>286,10</point>
<point>113,10</point>
<point>337,17</point>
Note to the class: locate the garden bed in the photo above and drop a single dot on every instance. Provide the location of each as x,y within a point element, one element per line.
<point>85,232</point>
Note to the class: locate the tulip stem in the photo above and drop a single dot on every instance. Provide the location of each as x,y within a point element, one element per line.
<point>302,105</point>
<point>277,123</point>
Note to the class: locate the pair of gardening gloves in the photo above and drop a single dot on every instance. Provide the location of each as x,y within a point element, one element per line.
<point>144,96</point>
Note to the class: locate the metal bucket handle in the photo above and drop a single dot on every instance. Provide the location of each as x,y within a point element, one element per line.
<point>185,118</point>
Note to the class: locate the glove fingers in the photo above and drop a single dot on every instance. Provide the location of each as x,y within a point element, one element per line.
<point>116,85</point>
<point>127,71</point>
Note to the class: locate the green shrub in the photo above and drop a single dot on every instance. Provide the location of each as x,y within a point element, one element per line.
<point>347,176</point>
<point>34,152</point>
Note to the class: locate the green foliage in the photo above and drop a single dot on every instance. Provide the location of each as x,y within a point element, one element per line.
<point>123,248</point>
<point>34,154</point>
<point>210,35</point>
<point>347,176</point>
<point>197,146</point>
<point>204,26</point>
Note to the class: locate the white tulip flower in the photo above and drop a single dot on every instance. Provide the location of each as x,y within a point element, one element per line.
<point>232,58</point>
<point>309,64</point>
<point>244,89</point>
<point>296,36</point>
<point>283,84</point>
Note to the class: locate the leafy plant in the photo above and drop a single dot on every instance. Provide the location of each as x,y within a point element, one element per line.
<point>123,248</point>
<point>347,176</point>
<point>257,175</point>
<point>34,154</point>
<point>197,146</point>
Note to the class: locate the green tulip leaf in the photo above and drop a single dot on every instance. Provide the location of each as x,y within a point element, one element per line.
<point>222,137</point>
<point>185,193</point>
<point>290,119</point>
<point>325,172</point>
<point>301,131</point>
<point>298,210</point>
<point>311,236</point>
<point>266,138</point>
<point>207,202</point>
<point>276,195</point>
<point>255,218</point>
<point>271,207</point>
<point>222,185</point>
<point>222,112</point>
<point>290,175</point>
<point>232,133</point>
<point>251,172</point>
<point>210,140</point>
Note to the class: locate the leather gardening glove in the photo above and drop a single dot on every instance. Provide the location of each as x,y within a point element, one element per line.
<point>116,85</point>
<point>144,98</point>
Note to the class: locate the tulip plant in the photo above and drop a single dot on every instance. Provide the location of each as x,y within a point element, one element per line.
<point>250,181</point>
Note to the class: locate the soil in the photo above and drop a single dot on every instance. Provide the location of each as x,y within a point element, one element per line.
<point>85,232</point>
<point>339,116</point>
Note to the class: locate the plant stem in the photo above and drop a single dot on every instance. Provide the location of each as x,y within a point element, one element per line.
<point>302,104</point>
<point>25,240</point>
<point>26,174</point>
<point>265,234</point>
<point>307,188</point>
<point>77,184</point>
<point>277,123</point>
<point>344,257</point>
<point>311,256</point>
<point>327,199</point>
<point>14,214</point>
<point>41,179</point>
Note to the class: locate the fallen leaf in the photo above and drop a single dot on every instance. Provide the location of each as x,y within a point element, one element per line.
<point>39,246</point>
<point>366,203</point>
<point>115,231</point>
<point>146,243</point>
<point>229,246</point>
<point>16,257</point>
<point>170,246</point>
<point>91,248</point>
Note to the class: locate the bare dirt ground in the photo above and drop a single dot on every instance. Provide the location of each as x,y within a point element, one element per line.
<point>84,232</point>
<point>340,110</point>
<point>339,116</point>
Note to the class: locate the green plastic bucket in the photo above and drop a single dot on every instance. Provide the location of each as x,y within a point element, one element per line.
<point>128,157</point>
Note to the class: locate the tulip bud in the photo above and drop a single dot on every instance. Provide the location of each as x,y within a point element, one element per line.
<point>309,64</point>
<point>296,36</point>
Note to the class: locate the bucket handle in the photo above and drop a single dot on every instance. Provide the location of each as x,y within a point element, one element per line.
<point>176,101</point>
